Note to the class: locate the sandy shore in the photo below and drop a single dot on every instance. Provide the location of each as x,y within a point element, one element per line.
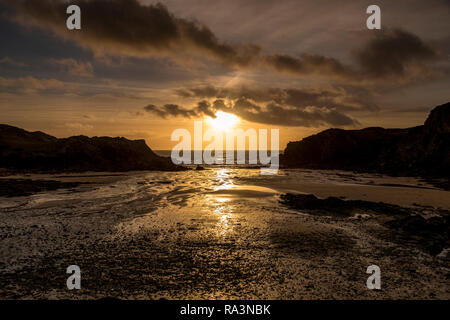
<point>217,233</point>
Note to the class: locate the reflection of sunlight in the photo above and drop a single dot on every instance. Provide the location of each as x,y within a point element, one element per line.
<point>224,222</point>
<point>223,209</point>
<point>222,173</point>
<point>224,213</point>
<point>225,186</point>
<point>223,179</point>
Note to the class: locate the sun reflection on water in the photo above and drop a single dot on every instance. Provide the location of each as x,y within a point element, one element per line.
<point>224,181</point>
<point>223,207</point>
<point>225,214</point>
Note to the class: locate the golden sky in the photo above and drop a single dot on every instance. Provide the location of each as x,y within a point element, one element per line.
<point>141,69</point>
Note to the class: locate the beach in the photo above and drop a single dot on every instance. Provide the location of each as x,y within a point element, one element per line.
<point>219,233</point>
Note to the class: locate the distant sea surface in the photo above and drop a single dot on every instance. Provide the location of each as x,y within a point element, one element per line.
<point>222,158</point>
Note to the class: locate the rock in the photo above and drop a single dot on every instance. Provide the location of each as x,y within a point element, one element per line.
<point>418,151</point>
<point>444,255</point>
<point>431,234</point>
<point>337,206</point>
<point>36,151</point>
<point>406,225</point>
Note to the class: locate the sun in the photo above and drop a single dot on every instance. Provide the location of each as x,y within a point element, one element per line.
<point>223,121</point>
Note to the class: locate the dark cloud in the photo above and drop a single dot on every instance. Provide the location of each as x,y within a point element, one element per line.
<point>203,107</point>
<point>392,52</point>
<point>12,62</point>
<point>275,114</point>
<point>171,110</point>
<point>73,67</point>
<point>272,106</point>
<point>309,64</point>
<point>128,27</point>
<point>337,97</point>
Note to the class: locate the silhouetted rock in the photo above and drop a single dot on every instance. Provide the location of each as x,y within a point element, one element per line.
<point>335,206</point>
<point>431,234</point>
<point>421,151</point>
<point>37,151</point>
<point>406,224</point>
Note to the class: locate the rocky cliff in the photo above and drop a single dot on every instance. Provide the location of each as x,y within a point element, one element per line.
<point>37,151</point>
<point>419,151</point>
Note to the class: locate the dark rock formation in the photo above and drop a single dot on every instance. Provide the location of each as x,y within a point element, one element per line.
<point>407,226</point>
<point>432,234</point>
<point>419,151</point>
<point>36,151</point>
<point>339,207</point>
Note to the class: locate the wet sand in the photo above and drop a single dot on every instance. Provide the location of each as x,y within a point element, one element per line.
<point>217,234</point>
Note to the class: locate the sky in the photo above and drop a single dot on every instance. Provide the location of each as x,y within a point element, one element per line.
<point>141,69</point>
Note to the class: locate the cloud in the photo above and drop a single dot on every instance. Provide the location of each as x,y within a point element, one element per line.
<point>393,52</point>
<point>29,85</point>
<point>309,64</point>
<point>337,97</point>
<point>284,107</point>
<point>170,110</point>
<point>12,62</point>
<point>152,30</point>
<point>144,30</point>
<point>74,68</point>
<point>275,114</point>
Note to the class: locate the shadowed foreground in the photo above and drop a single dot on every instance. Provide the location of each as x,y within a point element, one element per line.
<point>217,233</point>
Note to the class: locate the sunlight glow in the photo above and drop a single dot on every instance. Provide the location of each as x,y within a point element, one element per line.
<point>223,121</point>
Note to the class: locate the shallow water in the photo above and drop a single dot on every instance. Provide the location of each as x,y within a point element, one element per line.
<point>173,187</point>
